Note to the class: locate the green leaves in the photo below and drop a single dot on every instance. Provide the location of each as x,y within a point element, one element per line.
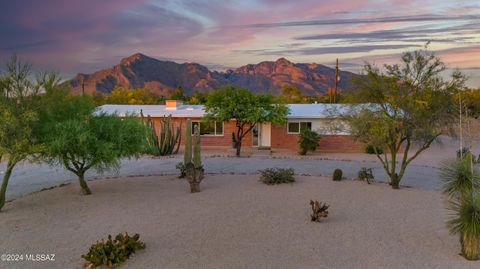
<point>238,103</point>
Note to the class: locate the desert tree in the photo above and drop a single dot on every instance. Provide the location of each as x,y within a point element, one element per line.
<point>20,93</point>
<point>409,105</point>
<point>245,108</point>
<point>80,138</point>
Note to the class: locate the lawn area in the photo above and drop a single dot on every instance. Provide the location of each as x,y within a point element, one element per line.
<point>236,222</point>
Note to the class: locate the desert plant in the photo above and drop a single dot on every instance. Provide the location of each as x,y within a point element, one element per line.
<point>113,251</point>
<point>337,174</point>
<point>181,166</point>
<point>194,171</point>
<point>461,180</point>
<point>169,139</point>
<point>319,210</point>
<point>366,174</point>
<point>466,223</point>
<point>370,149</point>
<point>465,152</point>
<point>308,141</point>
<point>271,176</point>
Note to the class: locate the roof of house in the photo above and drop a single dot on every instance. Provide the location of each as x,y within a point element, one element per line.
<point>297,111</point>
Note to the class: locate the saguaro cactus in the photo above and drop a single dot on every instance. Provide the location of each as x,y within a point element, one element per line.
<point>194,171</point>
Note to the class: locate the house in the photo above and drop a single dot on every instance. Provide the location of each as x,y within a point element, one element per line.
<point>318,117</point>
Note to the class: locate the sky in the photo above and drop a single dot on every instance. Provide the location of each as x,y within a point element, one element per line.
<point>84,36</point>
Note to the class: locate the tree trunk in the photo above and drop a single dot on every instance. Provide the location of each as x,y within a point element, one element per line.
<point>395,181</point>
<point>238,146</point>
<point>83,183</point>
<point>470,247</point>
<point>6,177</point>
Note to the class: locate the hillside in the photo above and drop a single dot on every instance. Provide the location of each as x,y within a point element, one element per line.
<point>140,71</point>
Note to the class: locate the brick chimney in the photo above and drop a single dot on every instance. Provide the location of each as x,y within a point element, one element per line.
<point>173,104</point>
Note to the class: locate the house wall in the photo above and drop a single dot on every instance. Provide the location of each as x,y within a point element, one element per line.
<point>224,140</point>
<point>280,139</point>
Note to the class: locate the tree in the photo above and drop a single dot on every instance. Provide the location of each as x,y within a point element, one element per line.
<point>80,139</point>
<point>19,96</point>
<point>245,108</point>
<point>412,104</point>
<point>292,94</point>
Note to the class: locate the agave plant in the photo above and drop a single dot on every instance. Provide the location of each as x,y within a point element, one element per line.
<point>461,180</point>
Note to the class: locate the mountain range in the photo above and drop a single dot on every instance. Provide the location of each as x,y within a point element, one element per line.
<point>141,71</point>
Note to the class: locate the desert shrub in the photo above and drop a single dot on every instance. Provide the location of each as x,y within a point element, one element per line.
<point>308,141</point>
<point>113,251</point>
<point>466,151</point>
<point>370,149</point>
<point>319,210</point>
<point>466,223</point>
<point>337,174</point>
<point>366,174</point>
<point>271,176</point>
<point>183,169</point>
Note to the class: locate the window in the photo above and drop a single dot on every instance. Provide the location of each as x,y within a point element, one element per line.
<point>297,127</point>
<point>209,128</point>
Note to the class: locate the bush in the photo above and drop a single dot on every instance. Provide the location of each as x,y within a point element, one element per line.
<point>466,151</point>
<point>337,174</point>
<point>183,169</point>
<point>112,252</point>
<point>271,176</point>
<point>370,149</point>
<point>308,141</point>
<point>319,210</point>
<point>366,175</point>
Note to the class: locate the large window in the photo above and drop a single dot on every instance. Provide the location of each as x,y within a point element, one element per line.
<point>295,127</point>
<point>209,128</point>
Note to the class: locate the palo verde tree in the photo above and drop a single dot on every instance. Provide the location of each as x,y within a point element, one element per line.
<point>410,106</point>
<point>245,108</point>
<point>79,138</point>
<point>19,115</point>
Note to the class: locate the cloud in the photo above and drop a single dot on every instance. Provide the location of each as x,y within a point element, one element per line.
<point>415,18</point>
<point>329,50</point>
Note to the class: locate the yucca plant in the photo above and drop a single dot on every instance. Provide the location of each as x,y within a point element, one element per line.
<point>466,223</point>
<point>459,177</point>
<point>460,182</point>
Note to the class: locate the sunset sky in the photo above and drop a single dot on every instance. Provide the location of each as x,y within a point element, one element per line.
<point>84,36</point>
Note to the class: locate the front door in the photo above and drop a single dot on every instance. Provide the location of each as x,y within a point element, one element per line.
<point>265,134</point>
<point>255,136</point>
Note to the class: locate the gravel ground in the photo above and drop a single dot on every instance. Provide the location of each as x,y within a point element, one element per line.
<point>236,222</point>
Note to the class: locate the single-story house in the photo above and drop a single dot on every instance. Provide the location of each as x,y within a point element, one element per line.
<point>318,117</point>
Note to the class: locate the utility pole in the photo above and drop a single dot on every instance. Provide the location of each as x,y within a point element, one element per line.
<point>336,83</point>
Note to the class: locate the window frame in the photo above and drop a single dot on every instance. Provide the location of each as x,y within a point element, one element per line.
<point>214,128</point>
<point>299,126</point>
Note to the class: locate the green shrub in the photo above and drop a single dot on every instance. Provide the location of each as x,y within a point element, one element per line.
<point>466,151</point>
<point>370,149</point>
<point>337,174</point>
<point>113,251</point>
<point>308,141</point>
<point>271,176</point>
<point>366,174</point>
<point>181,166</point>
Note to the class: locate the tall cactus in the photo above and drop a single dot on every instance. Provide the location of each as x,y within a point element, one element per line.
<point>197,158</point>
<point>168,141</point>
<point>188,143</point>
<point>193,170</point>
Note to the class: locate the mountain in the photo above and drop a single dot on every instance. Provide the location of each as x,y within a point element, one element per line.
<point>140,71</point>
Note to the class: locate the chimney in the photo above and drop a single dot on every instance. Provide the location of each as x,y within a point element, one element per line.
<point>173,104</point>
